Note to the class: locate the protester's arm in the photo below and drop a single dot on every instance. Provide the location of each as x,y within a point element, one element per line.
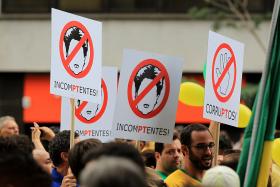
<point>35,135</point>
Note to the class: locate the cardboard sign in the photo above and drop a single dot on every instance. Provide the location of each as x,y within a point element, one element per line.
<point>147,96</point>
<point>223,80</point>
<point>76,57</point>
<point>94,120</point>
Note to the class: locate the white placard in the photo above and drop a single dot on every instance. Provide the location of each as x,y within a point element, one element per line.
<point>223,80</point>
<point>147,96</point>
<point>94,120</point>
<point>76,57</point>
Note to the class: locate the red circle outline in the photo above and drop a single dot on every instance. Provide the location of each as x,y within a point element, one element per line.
<point>91,51</point>
<point>130,83</point>
<point>219,97</point>
<point>103,108</point>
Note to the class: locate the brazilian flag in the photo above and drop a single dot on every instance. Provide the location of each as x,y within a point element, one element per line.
<point>255,158</point>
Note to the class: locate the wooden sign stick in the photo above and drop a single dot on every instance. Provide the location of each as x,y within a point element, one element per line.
<point>214,128</point>
<point>72,129</point>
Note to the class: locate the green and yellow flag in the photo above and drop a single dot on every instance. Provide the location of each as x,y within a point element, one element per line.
<point>255,159</point>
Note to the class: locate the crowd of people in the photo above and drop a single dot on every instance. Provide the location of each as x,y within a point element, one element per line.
<point>46,160</point>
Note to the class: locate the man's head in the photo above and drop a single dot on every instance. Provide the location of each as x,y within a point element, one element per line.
<point>168,155</point>
<point>16,143</point>
<point>197,146</point>
<point>116,149</point>
<point>78,151</point>
<point>71,39</point>
<point>231,158</point>
<point>142,79</point>
<point>113,171</point>
<point>8,126</point>
<point>142,144</point>
<point>59,147</point>
<point>148,156</point>
<point>224,143</point>
<point>19,169</point>
<point>220,176</point>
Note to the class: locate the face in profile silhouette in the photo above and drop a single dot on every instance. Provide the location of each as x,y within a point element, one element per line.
<point>91,109</point>
<point>142,79</point>
<point>71,39</point>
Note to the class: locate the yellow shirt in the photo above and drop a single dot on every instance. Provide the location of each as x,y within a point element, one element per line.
<point>179,178</point>
<point>275,176</point>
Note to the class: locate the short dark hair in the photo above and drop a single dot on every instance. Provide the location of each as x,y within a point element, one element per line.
<point>113,171</point>
<point>19,169</point>
<point>149,72</point>
<point>60,143</point>
<point>16,143</point>
<point>186,133</point>
<point>75,34</point>
<point>231,158</point>
<point>160,146</point>
<point>77,152</point>
<point>149,158</point>
<point>224,143</point>
<point>116,149</point>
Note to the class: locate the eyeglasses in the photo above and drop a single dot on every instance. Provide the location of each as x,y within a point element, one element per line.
<point>203,147</point>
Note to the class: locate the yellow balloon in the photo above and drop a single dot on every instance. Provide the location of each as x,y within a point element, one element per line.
<point>276,151</point>
<point>191,94</point>
<point>244,116</point>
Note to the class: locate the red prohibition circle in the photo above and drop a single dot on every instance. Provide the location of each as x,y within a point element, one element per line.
<point>66,61</point>
<point>100,113</point>
<point>163,73</point>
<point>220,79</point>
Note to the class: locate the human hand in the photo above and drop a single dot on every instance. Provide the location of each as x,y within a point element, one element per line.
<point>35,136</point>
<point>36,133</point>
<point>48,134</point>
<point>224,59</point>
<point>69,180</point>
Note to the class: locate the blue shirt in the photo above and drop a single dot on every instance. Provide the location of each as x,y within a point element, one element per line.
<point>56,178</point>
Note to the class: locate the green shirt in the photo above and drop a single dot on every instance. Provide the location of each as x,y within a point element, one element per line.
<point>185,171</point>
<point>161,174</point>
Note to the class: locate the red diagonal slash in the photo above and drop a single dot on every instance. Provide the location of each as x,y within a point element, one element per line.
<point>148,88</point>
<point>81,107</point>
<point>232,61</point>
<point>133,101</point>
<point>66,60</point>
<point>75,50</point>
<point>78,110</point>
